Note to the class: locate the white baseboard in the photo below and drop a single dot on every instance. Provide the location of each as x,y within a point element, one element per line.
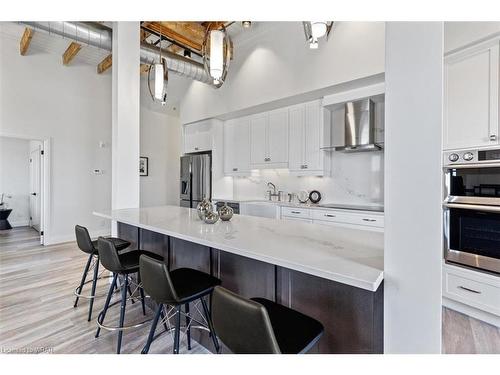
<point>53,240</point>
<point>472,311</point>
<point>20,223</point>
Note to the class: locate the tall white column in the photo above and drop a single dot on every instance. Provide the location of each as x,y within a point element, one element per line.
<point>125,115</point>
<point>413,234</point>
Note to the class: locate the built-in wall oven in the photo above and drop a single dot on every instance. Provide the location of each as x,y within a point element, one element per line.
<point>472,208</point>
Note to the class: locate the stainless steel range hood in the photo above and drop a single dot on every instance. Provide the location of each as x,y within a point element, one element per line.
<point>359,134</point>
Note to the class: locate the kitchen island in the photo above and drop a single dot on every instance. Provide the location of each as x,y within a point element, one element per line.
<point>333,274</point>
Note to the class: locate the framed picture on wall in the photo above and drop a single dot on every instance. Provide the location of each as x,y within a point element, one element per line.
<point>143,166</point>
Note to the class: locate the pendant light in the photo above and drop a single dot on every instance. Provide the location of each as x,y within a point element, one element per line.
<point>216,52</point>
<point>160,79</point>
<point>315,30</point>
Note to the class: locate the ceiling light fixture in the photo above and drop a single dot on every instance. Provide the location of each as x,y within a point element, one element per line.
<point>246,24</point>
<point>314,30</point>
<point>160,79</point>
<point>216,51</point>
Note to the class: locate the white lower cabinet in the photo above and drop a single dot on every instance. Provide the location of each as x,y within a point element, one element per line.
<point>355,220</point>
<point>476,289</point>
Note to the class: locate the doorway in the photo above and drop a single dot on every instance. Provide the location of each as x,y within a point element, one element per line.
<point>22,186</point>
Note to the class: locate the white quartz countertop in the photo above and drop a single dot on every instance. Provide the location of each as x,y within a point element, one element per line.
<point>349,256</point>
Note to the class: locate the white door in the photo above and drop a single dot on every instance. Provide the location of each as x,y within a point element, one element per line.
<point>296,128</point>
<point>35,185</point>
<point>278,137</point>
<point>312,136</point>
<point>471,97</point>
<point>258,139</point>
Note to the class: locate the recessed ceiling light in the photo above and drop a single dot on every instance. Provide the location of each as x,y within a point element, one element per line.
<point>246,24</point>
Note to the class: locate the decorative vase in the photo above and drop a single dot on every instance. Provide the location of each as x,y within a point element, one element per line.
<point>226,212</point>
<point>203,207</point>
<point>211,217</point>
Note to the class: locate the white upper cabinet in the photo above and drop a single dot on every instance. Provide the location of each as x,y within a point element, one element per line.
<point>306,138</point>
<point>471,78</point>
<point>269,140</point>
<point>197,136</point>
<point>237,147</point>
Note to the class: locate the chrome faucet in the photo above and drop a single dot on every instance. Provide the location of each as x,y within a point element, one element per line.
<point>273,193</point>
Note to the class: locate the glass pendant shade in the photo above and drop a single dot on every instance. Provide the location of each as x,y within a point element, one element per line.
<point>216,55</point>
<point>318,29</point>
<point>159,74</point>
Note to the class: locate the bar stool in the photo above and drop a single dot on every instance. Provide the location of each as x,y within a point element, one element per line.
<point>177,288</point>
<point>121,264</point>
<point>260,326</point>
<point>91,247</point>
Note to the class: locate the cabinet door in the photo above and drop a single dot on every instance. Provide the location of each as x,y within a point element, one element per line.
<point>296,145</point>
<point>278,137</point>
<point>241,145</point>
<point>198,136</point>
<point>258,139</point>
<point>230,156</point>
<point>471,97</point>
<point>312,137</point>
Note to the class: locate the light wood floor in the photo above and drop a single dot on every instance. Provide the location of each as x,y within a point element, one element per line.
<point>36,303</point>
<point>37,314</point>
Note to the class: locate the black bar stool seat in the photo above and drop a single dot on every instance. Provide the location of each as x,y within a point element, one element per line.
<point>190,284</point>
<point>294,331</point>
<point>261,326</point>
<point>119,243</point>
<point>130,260</point>
<point>177,288</point>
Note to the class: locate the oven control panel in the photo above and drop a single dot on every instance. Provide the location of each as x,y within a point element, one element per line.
<point>460,157</point>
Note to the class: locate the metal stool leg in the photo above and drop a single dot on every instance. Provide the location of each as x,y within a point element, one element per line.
<point>210,325</point>
<point>84,276</point>
<point>141,291</point>
<point>177,329</point>
<point>162,315</point>
<point>145,350</point>
<point>188,325</point>
<point>122,313</point>
<point>102,314</point>
<point>94,282</point>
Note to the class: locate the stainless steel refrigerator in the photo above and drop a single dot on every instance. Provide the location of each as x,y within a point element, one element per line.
<point>196,179</point>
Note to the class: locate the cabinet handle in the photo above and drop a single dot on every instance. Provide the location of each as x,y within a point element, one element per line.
<point>235,169</point>
<point>196,148</point>
<point>305,166</point>
<point>295,212</point>
<point>329,215</point>
<point>370,220</point>
<point>469,290</point>
<point>267,159</point>
<point>493,137</point>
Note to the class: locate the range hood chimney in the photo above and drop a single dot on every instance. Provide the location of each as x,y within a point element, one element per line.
<point>359,132</point>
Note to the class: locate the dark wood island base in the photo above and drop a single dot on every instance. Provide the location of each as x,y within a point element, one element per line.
<point>352,317</point>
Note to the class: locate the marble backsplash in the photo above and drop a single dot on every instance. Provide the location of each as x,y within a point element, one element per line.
<point>355,178</point>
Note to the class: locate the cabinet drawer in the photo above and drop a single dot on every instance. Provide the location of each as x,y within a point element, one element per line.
<point>477,293</point>
<point>349,218</point>
<point>288,218</point>
<point>296,212</point>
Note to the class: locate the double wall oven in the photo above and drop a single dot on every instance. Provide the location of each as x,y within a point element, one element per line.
<point>472,208</point>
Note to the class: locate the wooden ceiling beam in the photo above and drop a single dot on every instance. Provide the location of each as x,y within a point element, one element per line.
<point>105,64</point>
<point>144,68</point>
<point>25,41</point>
<point>71,52</point>
<point>180,32</point>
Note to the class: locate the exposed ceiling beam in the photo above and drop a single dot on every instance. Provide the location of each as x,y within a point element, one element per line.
<point>105,64</point>
<point>71,52</point>
<point>25,41</point>
<point>188,34</point>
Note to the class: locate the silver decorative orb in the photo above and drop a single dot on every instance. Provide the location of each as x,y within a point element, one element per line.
<point>211,217</point>
<point>203,207</point>
<point>226,212</point>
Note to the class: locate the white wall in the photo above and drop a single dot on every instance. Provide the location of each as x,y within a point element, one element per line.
<point>413,214</point>
<point>15,178</point>
<point>161,143</point>
<point>39,99</point>
<point>273,61</point>
<point>459,34</point>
